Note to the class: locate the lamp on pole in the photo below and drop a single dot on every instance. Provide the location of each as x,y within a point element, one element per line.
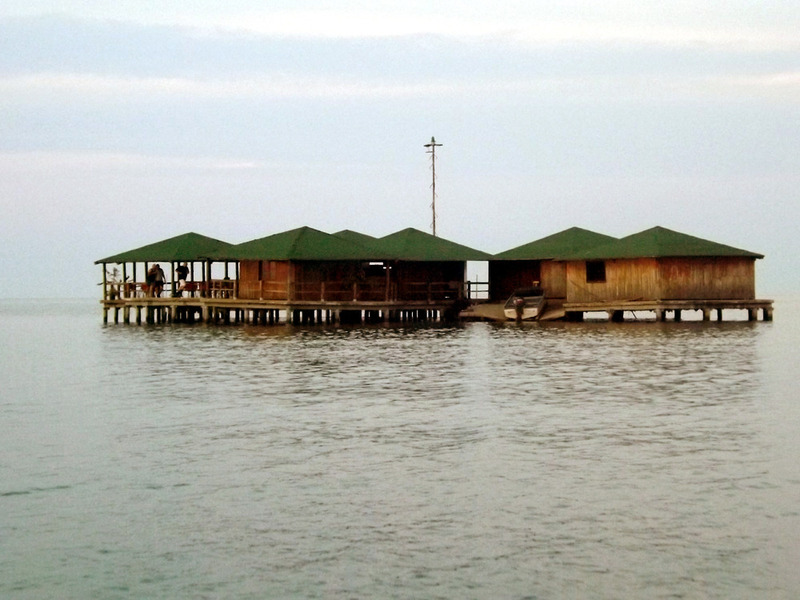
<point>432,151</point>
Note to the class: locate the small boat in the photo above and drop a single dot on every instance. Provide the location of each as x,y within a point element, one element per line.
<point>525,303</point>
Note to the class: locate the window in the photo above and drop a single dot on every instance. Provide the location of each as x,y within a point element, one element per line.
<point>595,271</point>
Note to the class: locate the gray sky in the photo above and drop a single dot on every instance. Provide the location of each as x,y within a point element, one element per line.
<point>124,123</point>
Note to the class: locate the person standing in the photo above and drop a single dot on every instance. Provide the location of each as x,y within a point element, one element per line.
<point>160,278</point>
<point>150,280</point>
<point>183,274</point>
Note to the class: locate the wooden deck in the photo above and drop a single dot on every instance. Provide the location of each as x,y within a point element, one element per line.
<point>664,309</point>
<point>236,310</point>
<point>556,310</point>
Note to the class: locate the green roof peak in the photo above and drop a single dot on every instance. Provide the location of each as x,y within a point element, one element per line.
<point>660,242</point>
<point>562,245</point>
<point>303,243</point>
<point>185,247</point>
<point>414,245</point>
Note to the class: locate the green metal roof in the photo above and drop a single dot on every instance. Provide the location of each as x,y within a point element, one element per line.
<point>562,245</point>
<point>303,243</point>
<point>660,242</point>
<point>355,236</point>
<point>414,245</point>
<point>186,247</point>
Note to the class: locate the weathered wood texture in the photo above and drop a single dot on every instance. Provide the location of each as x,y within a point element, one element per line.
<point>554,279</point>
<point>665,278</point>
<point>348,281</point>
<point>264,279</point>
<point>707,278</point>
<point>505,276</point>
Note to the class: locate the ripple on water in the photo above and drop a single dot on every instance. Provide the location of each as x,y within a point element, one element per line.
<point>580,460</point>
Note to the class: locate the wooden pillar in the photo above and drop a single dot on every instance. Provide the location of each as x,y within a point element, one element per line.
<point>719,314</point>
<point>105,283</point>
<point>677,315</point>
<point>659,314</point>
<point>752,314</point>
<point>706,314</point>
<point>766,314</point>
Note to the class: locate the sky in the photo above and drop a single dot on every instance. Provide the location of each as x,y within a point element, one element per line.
<point>124,123</point>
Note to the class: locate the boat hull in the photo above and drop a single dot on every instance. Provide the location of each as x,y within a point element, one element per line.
<point>525,315</point>
<point>524,304</point>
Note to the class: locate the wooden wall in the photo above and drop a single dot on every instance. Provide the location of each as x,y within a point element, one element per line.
<point>263,279</point>
<point>335,280</point>
<point>630,279</point>
<point>689,278</point>
<point>416,280</point>
<point>707,278</point>
<point>554,279</point>
<point>505,276</point>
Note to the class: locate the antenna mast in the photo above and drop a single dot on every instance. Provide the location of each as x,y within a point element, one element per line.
<point>432,151</point>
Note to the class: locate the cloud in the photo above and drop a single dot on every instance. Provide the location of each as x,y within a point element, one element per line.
<point>65,162</point>
<point>535,32</point>
<point>283,56</point>
<point>96,89</point>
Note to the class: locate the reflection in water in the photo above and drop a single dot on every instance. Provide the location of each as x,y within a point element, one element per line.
<point>579,460</point>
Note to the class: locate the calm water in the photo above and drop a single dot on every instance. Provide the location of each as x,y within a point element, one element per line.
<point>587,460</point>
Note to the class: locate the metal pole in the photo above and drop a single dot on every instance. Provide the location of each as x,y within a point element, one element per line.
<point>432,145</point>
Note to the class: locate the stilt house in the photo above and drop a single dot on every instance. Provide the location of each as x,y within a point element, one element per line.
<point>426,267</point>
<point>661,264</point>
<point>540,262</point>
<point>306,265</point>
<point>192,248</point>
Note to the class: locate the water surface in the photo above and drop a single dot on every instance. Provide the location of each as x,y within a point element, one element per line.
<point>593,460</point>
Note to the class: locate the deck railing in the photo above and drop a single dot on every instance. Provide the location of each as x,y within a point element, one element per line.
<point>348,291</point>
<point>323,291</point>
<point>476,290</point>
<point>216,288</point>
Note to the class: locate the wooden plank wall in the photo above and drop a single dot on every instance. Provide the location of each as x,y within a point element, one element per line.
<point>707,278</point>
<point>632,279</point>
<point>505,276</point>
<point>554,278</point>
<point>265,279</point>
<point>721,278</point>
